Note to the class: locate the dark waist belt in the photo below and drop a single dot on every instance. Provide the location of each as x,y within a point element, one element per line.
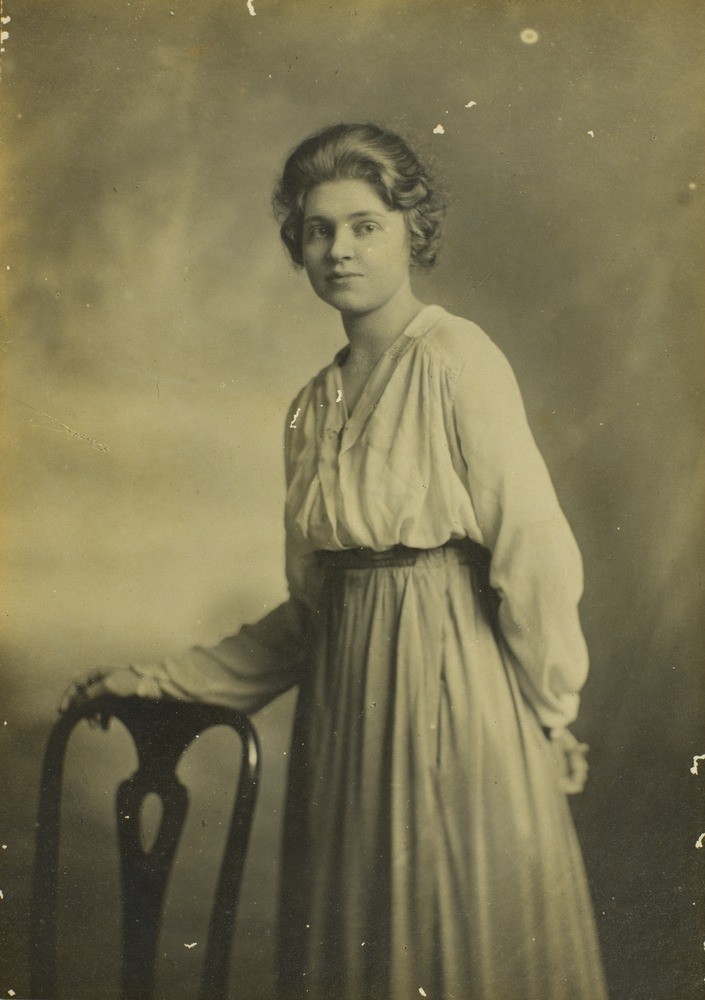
<point>402,555</point>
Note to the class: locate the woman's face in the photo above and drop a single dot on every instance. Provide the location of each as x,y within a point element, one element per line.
<point>355,248</point>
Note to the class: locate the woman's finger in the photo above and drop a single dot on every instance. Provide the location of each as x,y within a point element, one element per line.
<point>82,690</point>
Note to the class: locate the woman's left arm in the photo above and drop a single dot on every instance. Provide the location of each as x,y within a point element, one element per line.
<point>536,567</point>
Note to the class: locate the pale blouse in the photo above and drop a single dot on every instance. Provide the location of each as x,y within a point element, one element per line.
<point>438,447</point>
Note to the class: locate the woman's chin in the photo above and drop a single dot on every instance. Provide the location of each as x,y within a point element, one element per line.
<point>343,299</point>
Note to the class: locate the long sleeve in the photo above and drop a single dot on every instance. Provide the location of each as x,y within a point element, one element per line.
<point>536,567</point>
<point>244,671</point>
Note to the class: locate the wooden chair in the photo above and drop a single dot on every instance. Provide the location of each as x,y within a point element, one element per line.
<point>161,732</point>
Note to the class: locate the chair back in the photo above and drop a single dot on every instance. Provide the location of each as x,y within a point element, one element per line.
<point>161,732</point>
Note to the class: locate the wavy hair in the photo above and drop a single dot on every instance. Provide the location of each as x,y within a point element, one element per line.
<point>361,152</point>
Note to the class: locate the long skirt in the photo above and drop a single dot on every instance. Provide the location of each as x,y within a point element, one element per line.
<point>429,850</point>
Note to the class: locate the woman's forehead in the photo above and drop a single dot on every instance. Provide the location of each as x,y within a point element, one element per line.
<point>343,198</point>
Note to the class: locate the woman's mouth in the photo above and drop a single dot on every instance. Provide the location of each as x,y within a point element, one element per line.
<point>339,277</point>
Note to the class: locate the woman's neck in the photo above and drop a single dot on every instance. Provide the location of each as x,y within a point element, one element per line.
<point>371,334</point>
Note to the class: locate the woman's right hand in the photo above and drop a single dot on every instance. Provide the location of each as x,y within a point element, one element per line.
<point>122,682</point>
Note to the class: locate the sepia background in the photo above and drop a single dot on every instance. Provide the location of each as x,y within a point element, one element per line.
<point>156,332</point>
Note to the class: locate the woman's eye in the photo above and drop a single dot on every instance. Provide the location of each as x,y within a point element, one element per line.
<point>367,227</point>
<point>317,232</point>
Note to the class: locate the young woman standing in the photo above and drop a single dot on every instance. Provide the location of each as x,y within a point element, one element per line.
<point>432,627</point>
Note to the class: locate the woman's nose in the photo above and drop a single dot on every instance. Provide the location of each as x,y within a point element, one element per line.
<point>341,246</point>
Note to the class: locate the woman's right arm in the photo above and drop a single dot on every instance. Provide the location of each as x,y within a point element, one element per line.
<point>245,671</point>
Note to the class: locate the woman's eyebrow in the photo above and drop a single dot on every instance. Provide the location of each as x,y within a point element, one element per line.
<point>353,215</point>
<point>371,211</point>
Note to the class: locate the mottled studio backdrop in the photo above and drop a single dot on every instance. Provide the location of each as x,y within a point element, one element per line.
<point>155,334</point>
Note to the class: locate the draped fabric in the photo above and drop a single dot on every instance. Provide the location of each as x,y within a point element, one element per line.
<point>428,843</point>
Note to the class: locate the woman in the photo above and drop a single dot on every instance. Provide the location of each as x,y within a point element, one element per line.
<point>432,626</point>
